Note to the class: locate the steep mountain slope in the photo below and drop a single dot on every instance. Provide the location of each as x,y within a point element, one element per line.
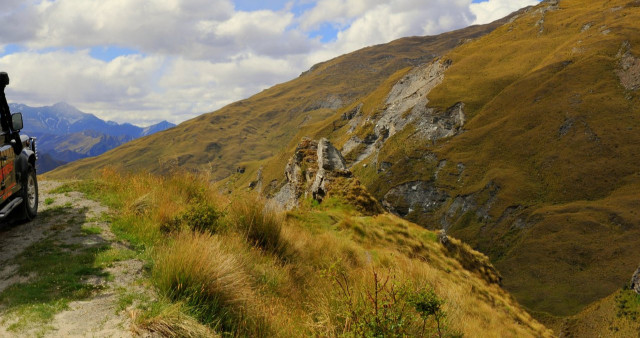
<point>261,126</point>
<point>523,143</point>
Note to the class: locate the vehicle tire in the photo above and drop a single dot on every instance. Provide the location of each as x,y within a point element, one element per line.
<point>29,195</point>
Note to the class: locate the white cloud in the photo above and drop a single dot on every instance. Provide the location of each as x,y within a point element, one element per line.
<point>492,10</point>
<point>338,12</point>
<point>139,89</point>
<point>196,55</point>
<point>76,76</point>
<point>374,21</point>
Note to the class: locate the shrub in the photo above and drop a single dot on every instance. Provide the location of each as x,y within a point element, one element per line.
<point>379,310</point>
<point>428,305</point>
<point>199,217</point>
<point>384,307</point>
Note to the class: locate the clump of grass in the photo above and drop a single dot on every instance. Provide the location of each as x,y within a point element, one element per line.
<point>197,269</point>
<point>108,257</point>
<point>261,225</point>
<point>168,320</point>
<point>49,201</point>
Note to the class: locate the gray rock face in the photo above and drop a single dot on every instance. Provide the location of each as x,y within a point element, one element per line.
<point>417,196</point>
<point>635,281</point>
<point>407,104</point>
<point>305,157</point>
<point>318,169</point>
<point>285,198</point>
<point>332,102</point>
<point>309,170</point>
<point>329,160</point>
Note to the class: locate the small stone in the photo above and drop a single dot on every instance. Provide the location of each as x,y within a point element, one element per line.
<point>635,281</point>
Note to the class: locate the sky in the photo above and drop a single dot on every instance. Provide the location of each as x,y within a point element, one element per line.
<point>144,61</point>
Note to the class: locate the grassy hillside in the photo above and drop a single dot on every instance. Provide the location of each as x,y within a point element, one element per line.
<point>544,177</point>
<point>614,316</point>
<point>261,126</point>
<point>323,270</point>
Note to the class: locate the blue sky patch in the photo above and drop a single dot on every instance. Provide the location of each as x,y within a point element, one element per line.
<point>108,53</point>
<point>11,49</point>
<point>327,33</point>
<point>252,5</point>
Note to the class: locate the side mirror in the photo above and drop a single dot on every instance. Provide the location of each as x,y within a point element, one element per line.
<point>16,121</point>
<point>4,79</point>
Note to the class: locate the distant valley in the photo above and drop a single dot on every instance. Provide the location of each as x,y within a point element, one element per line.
<point>66,134</point>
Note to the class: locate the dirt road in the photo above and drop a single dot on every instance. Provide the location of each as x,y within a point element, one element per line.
<point>64,274</point>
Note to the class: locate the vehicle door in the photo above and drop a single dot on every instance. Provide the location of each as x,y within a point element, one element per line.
<point>8,185</point>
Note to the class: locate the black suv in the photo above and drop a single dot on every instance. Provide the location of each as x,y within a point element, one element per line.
<point>19,185</point>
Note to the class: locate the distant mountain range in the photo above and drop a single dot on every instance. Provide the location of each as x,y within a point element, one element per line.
<point>66,134</point>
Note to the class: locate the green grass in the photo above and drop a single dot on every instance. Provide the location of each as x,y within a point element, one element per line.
<point>628,303</point>
<point>91,230</point>
<point>49,201</point>
<point>108,257</point>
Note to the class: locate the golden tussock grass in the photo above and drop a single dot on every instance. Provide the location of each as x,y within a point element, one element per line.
<point>198,268</point>
<point>264,273</point>
<point>260,224</point>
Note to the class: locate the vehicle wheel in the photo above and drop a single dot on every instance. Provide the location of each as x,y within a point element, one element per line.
<point>29,195</point>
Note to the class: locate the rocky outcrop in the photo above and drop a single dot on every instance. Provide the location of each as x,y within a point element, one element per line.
<point>318,170</point>
<point>551,5</point>
<point>330,163</point>
<point>407,104</point>
<point>635,281</point>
